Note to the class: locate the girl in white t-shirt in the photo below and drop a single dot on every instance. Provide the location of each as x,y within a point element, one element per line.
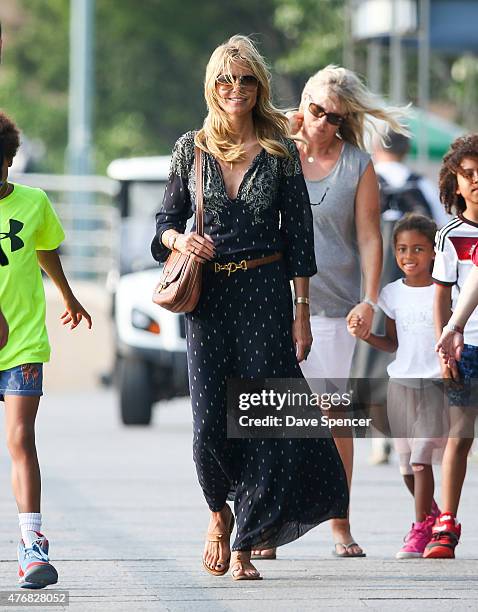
<point>415,406</point>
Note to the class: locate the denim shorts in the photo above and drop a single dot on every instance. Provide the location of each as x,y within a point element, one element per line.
<point>465,392</point>
<point>26,379</point>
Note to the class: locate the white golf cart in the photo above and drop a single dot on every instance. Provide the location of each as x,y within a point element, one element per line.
<point>151,360</point>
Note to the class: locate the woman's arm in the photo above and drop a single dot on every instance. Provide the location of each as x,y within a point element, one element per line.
<point>451,341</point>
<point>176,209</point>
<point>467,301</point>
<point>74,311</point>
<point>369,238</point>
<point>301,333</point>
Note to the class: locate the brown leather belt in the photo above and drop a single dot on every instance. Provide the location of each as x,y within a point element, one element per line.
<point>244,264</point>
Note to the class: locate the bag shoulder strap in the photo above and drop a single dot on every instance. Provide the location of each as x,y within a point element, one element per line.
<point>199,191</point>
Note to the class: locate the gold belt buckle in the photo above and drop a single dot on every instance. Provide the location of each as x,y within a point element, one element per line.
<point>231,267</point>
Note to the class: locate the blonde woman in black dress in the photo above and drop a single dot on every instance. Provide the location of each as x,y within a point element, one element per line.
<point>256,209</point>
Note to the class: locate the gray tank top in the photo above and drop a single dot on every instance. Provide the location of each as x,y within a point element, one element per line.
<point>335,289</point>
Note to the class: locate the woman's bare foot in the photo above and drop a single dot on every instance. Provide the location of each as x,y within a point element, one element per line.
<point>344,544</point>
<point>267,553</point>
<point>217,551</point>
<point>241,566</point>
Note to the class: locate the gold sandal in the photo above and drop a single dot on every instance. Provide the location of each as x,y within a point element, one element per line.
<point>239,565</point>
<point>271,555</point>
<point>219,537</point>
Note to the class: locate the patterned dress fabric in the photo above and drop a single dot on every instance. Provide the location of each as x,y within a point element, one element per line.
<point>241,328</point>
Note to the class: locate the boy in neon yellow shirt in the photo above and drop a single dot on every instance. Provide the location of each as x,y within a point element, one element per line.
<point>30,233</point>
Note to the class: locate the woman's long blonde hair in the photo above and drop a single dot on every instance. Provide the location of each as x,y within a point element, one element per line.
<point>359,104</point>
<point>270,125</point>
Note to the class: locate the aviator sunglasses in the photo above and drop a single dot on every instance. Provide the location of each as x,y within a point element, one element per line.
<point>319,112</point>
<point>248,81</point>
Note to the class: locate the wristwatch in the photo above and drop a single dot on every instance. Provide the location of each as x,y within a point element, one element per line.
<point>453,327</point>
<point>371,303</point>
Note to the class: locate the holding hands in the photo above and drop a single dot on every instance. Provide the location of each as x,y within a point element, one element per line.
<point>359,321</point>
<point>450,347</point>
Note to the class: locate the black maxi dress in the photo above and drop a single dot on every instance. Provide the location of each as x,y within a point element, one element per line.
<point>242,328</point>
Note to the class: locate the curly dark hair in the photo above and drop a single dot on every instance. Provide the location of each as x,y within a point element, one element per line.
<point>9,137</point>
<point>465,146</point>
<point>413,221</point>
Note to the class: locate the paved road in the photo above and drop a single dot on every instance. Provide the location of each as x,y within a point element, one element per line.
<point>125,517</point>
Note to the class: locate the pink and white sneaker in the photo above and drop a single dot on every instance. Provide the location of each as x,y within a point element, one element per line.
<point>416,539</point>
<point>435,510</point>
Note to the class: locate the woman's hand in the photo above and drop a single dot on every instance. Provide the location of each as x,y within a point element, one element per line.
<point>296,119</point>
<point>201,248</point>
<point>301,333</point>
<point>3,330</point>
<point>363,326</point>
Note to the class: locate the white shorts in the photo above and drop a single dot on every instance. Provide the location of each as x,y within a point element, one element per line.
<point>419,423</point>
<point>332,349</point>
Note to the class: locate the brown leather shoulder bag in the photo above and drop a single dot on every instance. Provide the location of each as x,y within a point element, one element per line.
<point>179,287</point>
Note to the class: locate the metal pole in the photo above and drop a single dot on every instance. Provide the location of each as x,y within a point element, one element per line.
<point>396,63</point>
<point>348,48</point>
<point>79,122</point>
<point>423,79</point>
<point>374,66</point>
<point>81,87</point>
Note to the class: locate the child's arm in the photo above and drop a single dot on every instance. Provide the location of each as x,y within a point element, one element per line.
<point>441,316</point>
<point>387,343</point>
<point>74,311</point>
<point>3,330</point>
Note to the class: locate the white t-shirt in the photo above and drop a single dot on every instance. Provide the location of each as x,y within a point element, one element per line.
<point>412,310</point>
<point>453,245</point>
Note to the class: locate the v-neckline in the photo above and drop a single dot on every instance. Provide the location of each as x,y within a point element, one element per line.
<point>248,170</point>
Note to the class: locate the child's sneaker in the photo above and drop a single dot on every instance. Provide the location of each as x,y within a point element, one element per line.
<point>34,568</point>
<point>445,536</point>
<point>416,539</point>
<point>435,510</point>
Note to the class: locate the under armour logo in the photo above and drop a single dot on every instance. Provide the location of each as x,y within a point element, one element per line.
<point>16,243</point>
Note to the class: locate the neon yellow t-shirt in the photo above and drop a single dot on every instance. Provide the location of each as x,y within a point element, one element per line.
<point>28,223</point>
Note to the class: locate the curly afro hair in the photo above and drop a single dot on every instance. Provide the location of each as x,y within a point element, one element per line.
<point>415,222</point>
<point>9,137</point>
<point>465,146</point>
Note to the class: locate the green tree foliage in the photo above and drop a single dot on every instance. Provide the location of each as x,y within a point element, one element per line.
<point>150,57</point>
<point>34,75</point>
<point>315,31</point>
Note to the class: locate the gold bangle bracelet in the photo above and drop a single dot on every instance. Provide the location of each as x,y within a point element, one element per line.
<point>301,300</point>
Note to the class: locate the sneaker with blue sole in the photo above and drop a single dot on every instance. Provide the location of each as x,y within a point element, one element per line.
<point>34,568</point>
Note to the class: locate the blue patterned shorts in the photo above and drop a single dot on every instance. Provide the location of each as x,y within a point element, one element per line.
<point>465,392</point>
<point>26,379</point>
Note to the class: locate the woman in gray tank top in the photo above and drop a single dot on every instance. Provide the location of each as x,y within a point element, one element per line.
<point>330,127</point>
